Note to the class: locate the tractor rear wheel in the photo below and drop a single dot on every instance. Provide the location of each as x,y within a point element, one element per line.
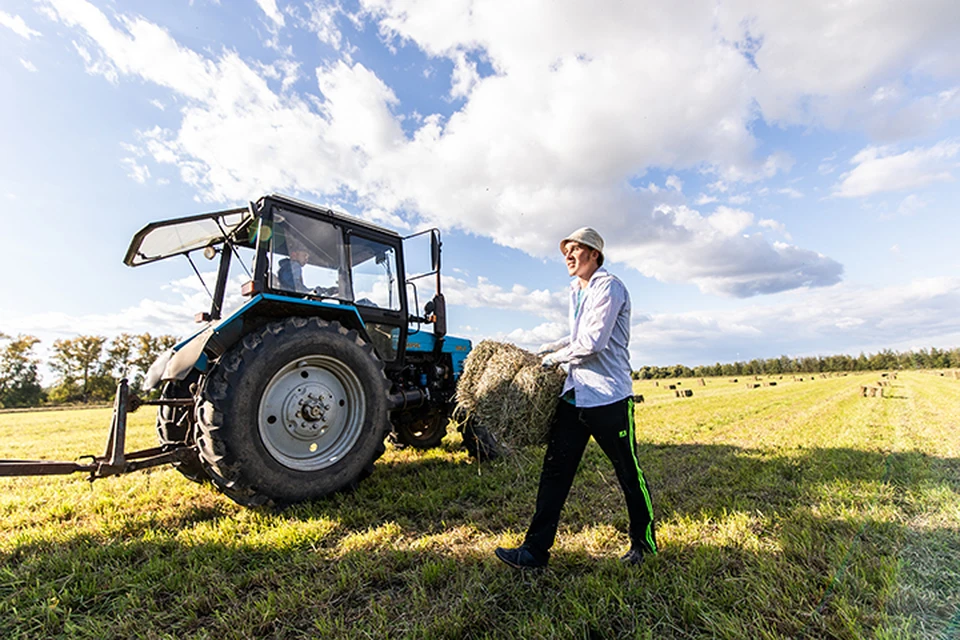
<point>175,426</point>
<point>295,411</point>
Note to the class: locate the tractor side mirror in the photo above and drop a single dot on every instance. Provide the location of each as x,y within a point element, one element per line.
<point>435,250</point>
<point>440,315</point>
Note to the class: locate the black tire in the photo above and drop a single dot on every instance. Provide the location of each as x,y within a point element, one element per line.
<point>295,411</point>
<point>423,428</point>
<point>480,442</point>
<point>176,427</point>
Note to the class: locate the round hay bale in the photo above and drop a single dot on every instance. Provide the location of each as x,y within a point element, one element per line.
<point>505,389</point>
<point>473,368</point>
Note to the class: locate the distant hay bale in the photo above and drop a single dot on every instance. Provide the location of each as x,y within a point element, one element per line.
<point>688,393</point>
<point>672,387</point>
<point>505,389</point>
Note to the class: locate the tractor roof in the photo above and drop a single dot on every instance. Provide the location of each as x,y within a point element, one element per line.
<point>160,240</point>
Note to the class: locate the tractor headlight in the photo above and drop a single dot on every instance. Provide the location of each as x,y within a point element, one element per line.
<point>155,372</point>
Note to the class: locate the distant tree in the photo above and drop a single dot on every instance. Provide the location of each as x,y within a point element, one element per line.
<point>19,377</point>
<point>121,355</point>
<point>77,361</point>
<point>148,349</point>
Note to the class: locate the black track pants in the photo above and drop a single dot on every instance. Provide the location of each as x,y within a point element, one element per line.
<point>612,426</point>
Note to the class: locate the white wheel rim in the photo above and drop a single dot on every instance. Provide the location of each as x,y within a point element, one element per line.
<point>312,413</point>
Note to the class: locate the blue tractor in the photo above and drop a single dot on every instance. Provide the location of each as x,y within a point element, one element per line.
<point>292,396</point>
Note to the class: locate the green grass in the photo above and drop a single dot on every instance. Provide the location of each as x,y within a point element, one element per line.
<point>800,510</point>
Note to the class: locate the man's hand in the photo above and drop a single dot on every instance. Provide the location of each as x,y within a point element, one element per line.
<point>548,361</point>
<point>324,292</point>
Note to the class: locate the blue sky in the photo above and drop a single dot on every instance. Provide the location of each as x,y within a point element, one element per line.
<point>769,179</point>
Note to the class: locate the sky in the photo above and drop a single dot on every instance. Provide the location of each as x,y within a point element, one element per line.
<point>770,178</point>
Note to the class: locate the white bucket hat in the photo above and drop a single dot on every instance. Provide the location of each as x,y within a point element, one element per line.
<point>586,236</point>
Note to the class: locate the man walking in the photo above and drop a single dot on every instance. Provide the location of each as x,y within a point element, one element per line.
<point>597,400</point>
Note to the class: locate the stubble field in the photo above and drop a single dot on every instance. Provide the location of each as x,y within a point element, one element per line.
<point>796,510</point>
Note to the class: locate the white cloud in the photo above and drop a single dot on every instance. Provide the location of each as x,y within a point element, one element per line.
<point>29,66</point>
<point>673,182</point>
<point>704,199</point>
<point>773,225</point>
<point>730,222</point>
<point>322,21</point>
<point>880,169</point>
<point>790,192</point>
<point>911,205</point>
<point>677,244</point>
<point>916,116</point>
<point>269,7</point>
<point>740,198</point>
<point>135,171</point>
<point>465,76</point>
<point>17,25</point>
<point>858,48</point>
<point>839,319</point>
<point>551,305</point>
<point>510,163</point>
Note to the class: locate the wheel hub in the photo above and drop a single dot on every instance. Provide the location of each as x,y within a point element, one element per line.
<point>308,410</point>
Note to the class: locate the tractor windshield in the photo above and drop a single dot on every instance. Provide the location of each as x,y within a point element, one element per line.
<point>159,240</point>
<point>310,256</point>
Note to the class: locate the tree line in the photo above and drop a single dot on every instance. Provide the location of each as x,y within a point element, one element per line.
<point>885,360</point>
<point>87,368</point>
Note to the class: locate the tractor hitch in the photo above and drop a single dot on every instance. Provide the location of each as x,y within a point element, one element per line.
<point>114,460</point>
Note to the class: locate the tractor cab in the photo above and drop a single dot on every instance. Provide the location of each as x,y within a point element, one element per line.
<point>297,257</point>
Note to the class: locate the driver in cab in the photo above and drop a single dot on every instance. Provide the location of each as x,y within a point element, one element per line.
<point>290,271</point>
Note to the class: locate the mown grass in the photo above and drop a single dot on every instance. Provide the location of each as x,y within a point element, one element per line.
<point>795,511</point>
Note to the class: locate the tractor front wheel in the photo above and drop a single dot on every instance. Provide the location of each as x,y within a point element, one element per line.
<point>175,426</point>
<point>422,429</point>
<point>294,412</point>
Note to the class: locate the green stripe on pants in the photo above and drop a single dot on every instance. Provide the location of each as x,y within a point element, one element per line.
<point>643,485</point>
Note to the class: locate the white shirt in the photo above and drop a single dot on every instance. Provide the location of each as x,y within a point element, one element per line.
<point>597,349</point>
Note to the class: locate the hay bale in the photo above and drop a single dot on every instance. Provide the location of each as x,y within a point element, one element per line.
<point>688,393</point>
<point>505,389</point>
<point>672,387</point>
<point>638,398</point>
<point>473,368</point>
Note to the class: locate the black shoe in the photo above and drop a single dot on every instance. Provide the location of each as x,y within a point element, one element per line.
<point>633,557</point>
<point>519,558</point>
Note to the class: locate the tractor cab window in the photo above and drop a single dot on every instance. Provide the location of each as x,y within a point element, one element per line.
<point>374,271</point>
<point>306,256</point>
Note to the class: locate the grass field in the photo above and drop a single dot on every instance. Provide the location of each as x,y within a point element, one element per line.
<point>796,511</point>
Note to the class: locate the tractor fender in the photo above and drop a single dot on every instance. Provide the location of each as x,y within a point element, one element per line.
<point>211,343</point>
<point>187,356</point>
